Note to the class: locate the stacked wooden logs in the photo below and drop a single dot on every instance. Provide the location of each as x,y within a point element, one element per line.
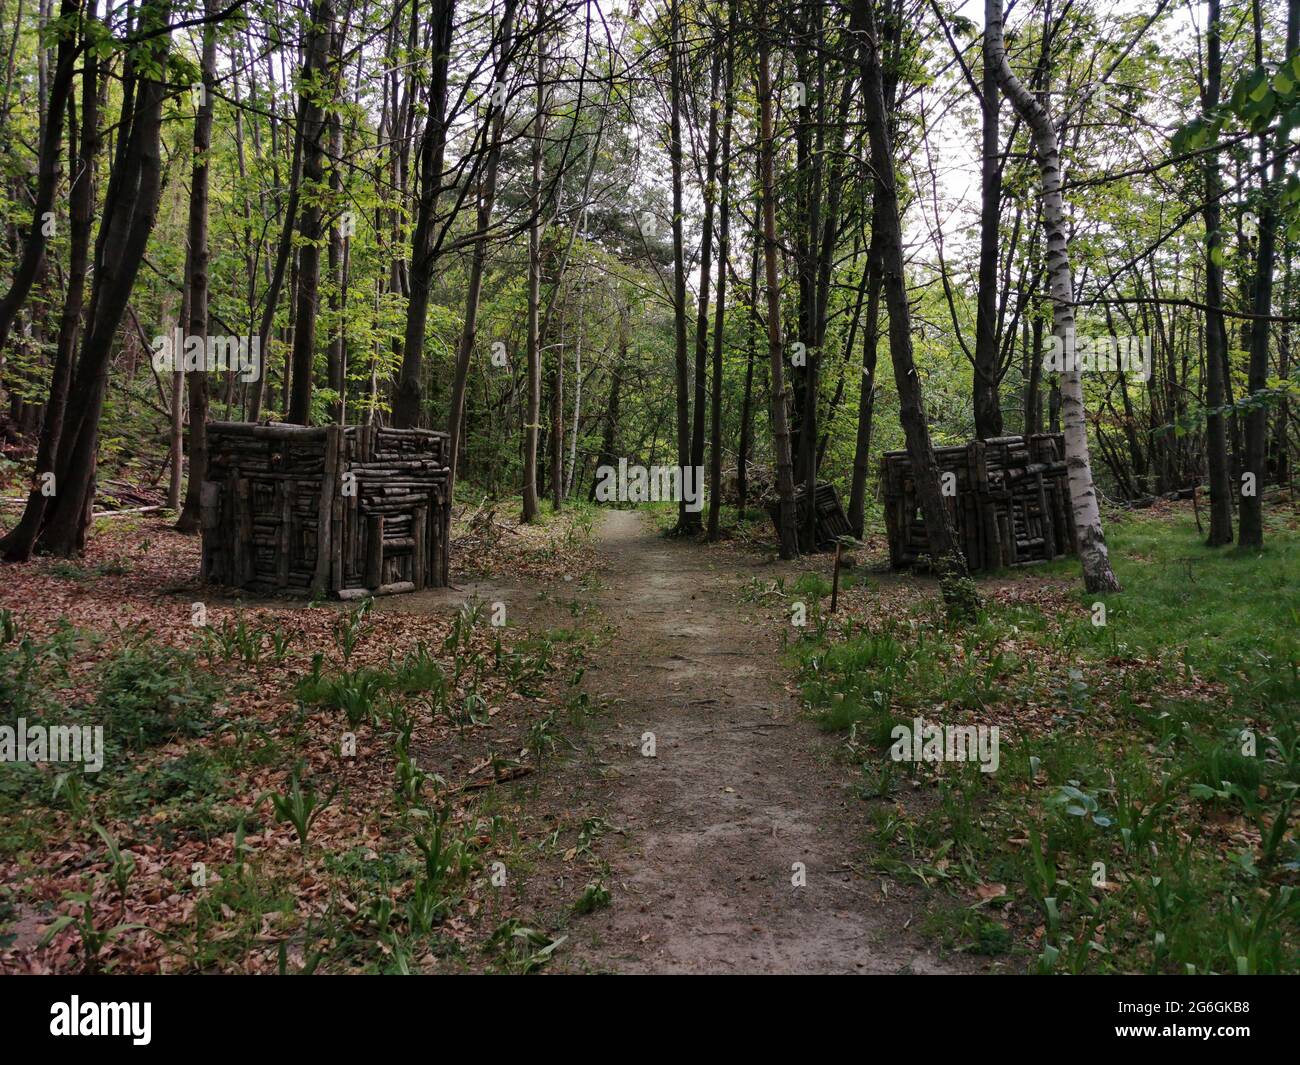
<point>831,523</point>
<point>343,510</point>
<point>1008,497</point>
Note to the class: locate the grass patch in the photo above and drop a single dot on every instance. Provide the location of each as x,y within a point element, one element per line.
<point>1143,815</point>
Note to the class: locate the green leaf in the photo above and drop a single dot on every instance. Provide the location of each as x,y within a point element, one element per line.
<point>1257,85</point>
<point>58,925</point>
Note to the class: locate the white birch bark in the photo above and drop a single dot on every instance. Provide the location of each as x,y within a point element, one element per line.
<point>1097,574</point>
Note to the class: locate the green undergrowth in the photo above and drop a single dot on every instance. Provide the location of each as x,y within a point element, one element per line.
<point>1142,813</point>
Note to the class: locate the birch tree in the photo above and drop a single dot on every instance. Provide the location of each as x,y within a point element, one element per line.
<point>1095,559</point>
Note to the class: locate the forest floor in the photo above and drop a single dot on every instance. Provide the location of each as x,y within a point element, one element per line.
<point>604,749</point>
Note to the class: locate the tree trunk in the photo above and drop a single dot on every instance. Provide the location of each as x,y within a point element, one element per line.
<point>751,346</point>
<point>337,353</point>
<point>1031,334</point>
<point>176,433</point>
<point>988,410</point>
<point>283,254</point>
<point>1216,337</point>
<point>720,310</point>
<point>532,424</point>
<point>570,470</point>
<point>129,212</point>
<point>786,523</point>
<point>610,433</point>
<point>188,522</point>
<point>307,297</point>
<point>1250,531</point>
<point>679,262</point>
<point>47,170</point>
<point>17,545</point>
<point>408,396</point>
<point>948,562</point>
<point>867,398</point>
<point>1097,574</point>
<point>483,222</point>
<point>693,523</point>
<point>556,443</point>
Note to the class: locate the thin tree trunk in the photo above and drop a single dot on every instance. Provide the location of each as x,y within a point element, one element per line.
<point>17,545</point>
<point>199,255</point>
<point>176,433</point>
<point>577,385</point>
<point>867,400</point>
<point>786,524</point>
<point>1250,531</point>
<point>610,434</point>
<point>988,410</point>
<point>947,560</point>
<point>751,346</point>
<point>483,223</point>
<point>408,396</point>
<point>693,523</point>
<point>336,353</point>
<point>130,209</point>
<point>47,170</point>
<point>1097,573</point>
<point>556,442</point>
<point>679,263</point>
<point>1216,337</point>
<point>307,297</point>
<point>284,250</point>
<point>724,250</point>
<point>532,425</point>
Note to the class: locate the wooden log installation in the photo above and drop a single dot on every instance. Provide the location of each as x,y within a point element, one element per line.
<point>831,523</point>
<point>284,550</point>
<point>418,543</point>
<point>374,550</point>
<point>324,527</point>
<point>325,510</point>
<point>1011,506</point>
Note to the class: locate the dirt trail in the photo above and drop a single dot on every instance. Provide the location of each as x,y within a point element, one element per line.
<point>743,786</point>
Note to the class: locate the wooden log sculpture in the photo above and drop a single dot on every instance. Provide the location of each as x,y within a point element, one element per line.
<point>831,521</point>
<point>1008,497</point>
<point>348,511</point>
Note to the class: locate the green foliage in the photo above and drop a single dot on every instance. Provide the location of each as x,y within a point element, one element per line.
<point>1125,783</point>
<point>300,806</point>
<point>151,693</point>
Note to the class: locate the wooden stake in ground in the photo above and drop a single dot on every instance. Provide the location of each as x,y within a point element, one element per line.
<point>835,579</point>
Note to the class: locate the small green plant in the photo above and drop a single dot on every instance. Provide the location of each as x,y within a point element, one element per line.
<point>280,642</point>
<point>411,779</point>
<point>349,628</point>
<point>595,896</point>
<point>541,738</point>
<point>523,949</point>
<point>70,788</point>
<point>121,863</point>
<point>300,806</point>
<point>93,938</point>
<point>356,692</point>
<point>419,671</point>
<point>462,626</point>
<point>447,861</point>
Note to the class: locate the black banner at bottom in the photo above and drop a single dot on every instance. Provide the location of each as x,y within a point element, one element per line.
<point>150,1014</point>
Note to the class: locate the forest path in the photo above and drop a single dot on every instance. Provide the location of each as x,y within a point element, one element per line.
<point>743,786</point>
